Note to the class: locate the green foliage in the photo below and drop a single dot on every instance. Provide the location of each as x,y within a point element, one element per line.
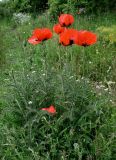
<point>25,6</point>
<point>18,6</point>
<point>101,6</point>
<point>108,33</point>
<point>57,7</point>
<point>5,11</point>
<point>73,133</point>
<point>45,74</point>
<point>38,5</point>
<point>63,6</point>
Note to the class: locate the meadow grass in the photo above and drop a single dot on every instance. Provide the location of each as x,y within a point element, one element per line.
<point>79,82</point>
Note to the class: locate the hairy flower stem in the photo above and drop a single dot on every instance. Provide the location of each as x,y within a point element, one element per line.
<point>84,61</point>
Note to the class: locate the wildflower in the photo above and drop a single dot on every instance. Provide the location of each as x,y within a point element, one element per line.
<point>21,17</point>
<point>50,109</point>
<point>86,38</point>
<point>33,71</point>
<point>58,28</point>
<point>110,82</point>
<point>45,34</point>
<point>78,80</point>
<point>69,37</point>
<point>71,77</point>
<point>76,146</point>
<point>105,89</point>
<point>40,35</point>
<point>30,102</point>
<point>66,19</point>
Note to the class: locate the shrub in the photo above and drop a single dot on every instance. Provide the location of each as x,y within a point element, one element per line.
<point>63,6</point>
<point>18,6</point>
<point>26,6</point>
<point>100,6</point>
<point>57,7</point>
<point>5,11</point>
<point>38,5</point>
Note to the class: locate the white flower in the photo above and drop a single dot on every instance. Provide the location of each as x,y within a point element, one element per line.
<point>21,17</point>
<point>97,87</point>
<point>106,89</point>
<point>36,91</point>
<point>76,146</point>
<point>33,71</point>
<point>71,77</point>
<point>78,80</point>
<point>30,102</point>
<point>110,82</point>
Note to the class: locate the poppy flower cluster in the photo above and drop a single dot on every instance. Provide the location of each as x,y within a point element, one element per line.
<point>82,38</point>
<point>73,36</point>
<point>67,36</point>
<point>65,20</point>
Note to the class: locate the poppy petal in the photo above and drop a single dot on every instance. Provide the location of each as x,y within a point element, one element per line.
<point>69,37</point>
<point>86,38</point>
<point>50,109</point>
<point>36,31</point>
<point>42,34</point>
<point>33,40</point>
<point>47,34</point>
<point>58,28</point>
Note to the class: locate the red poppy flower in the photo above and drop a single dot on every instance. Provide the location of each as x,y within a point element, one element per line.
<point>66,19</point>
<point>43,34</point>
<point>58,28</point>
<point>69,37</point>
<point>86,38</point>
<point>40,35</point>
<point>34,40</point>
<point>50,109</point>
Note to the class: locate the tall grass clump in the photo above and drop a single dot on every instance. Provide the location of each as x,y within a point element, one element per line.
<point>82,128</point>
<point>2,54</point>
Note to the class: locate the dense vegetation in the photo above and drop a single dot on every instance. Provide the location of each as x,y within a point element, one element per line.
<point>55,7</point>
<point>80,82</point>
